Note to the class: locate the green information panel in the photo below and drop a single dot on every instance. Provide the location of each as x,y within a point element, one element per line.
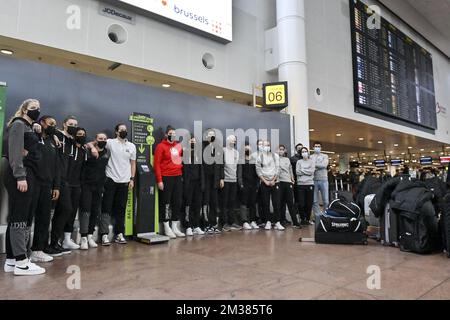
<point>2,112</point>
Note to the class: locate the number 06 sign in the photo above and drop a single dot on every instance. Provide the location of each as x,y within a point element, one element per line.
<point>275,95</point>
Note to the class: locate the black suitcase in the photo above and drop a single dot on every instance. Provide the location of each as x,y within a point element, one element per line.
<point>341,193</point>
<point>444,224</point>
<point>389,227</point>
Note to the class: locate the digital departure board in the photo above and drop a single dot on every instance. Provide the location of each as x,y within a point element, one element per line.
<point>393,75</point>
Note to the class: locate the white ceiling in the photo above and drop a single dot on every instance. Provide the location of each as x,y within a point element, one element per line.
<point>436,12</point>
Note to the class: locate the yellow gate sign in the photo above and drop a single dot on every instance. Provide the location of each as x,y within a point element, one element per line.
<point>275,95</point>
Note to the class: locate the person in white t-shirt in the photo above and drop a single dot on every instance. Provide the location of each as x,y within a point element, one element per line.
<point>120,173</point>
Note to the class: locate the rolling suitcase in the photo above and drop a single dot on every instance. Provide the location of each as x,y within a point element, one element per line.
<point>373,224</point>
<point>444,224</point>
<point>389,227</point>
<point>340,193</point>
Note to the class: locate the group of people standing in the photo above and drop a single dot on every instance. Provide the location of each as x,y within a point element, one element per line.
<point>56,168</point>
<point>200,185</point>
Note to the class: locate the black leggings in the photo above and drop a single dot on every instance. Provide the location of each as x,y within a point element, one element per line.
<point>113,206</point>
<point>65,212</point>
<point>20,214</point>
<point>193,203</point>
<point>90,207</point>
<point>248,196</point>
<point>287,198</point>
<point>211,199</point>
<point>229,193</point>
<point>42,207</point>
<point>170,199</point>
<point>273,193</point>
<point>306,198</point>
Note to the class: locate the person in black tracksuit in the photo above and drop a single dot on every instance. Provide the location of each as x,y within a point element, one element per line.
<point>248,191</point>
<point>194,186</point>
<point>71,158</point>
<point>93,177</point>
<point>46,191</point>
<point>214,180</point>
<point>22,153</point>
<point>294,159</point>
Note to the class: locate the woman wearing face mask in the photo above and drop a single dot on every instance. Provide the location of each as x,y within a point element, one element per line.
<point>287,182</point>
<point>63,207</point>
<point>193,185</point>
<point>267,169</point>
<point>305,180</point>
<point>78,158</point>
<point>93,178</point>
<point>248,191</point>
<point>22,153</point>
<point>168,171</point>
<point>214,180</point>
<point>46,190</point>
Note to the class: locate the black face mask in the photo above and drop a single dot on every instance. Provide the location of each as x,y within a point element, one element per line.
<point>213,139</point>
<point>192,146</point>
<point>247,152</point>
<point>50,130</point>
<point>170,138</point>
<point>101,144</point>
<point>123,134</point>
<point>34,114</point>
<point>72,131</point>
<point>80,140</point>
<point>299,152</point>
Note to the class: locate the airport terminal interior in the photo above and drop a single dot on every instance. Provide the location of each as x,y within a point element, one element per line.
<point>225,150</point>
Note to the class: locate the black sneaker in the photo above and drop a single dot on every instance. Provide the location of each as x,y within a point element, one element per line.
<point>297,226</point>
<point>305,223</point>
<point>53,251</point>
<point>63,251</point>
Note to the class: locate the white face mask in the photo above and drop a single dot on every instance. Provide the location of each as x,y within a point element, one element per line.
<point>317,150</point>
<point>305,155</point>
<point>261,148</point>
<point>267,149</point>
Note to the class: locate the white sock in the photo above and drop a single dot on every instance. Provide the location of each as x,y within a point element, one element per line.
<point>21,263</point>
<point>11,262</point>
<point>67,236</point>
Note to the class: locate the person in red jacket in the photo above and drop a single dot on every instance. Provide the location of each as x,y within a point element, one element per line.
<point>169,171</point>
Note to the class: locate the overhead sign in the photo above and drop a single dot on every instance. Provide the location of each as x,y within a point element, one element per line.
<point>445,160</point>
<point>426,161</point>
<point>396,163</point>
<point>116,13</point>
<point>211,18</point>
<point>275,95</point>
<point>2,112</point>
<point>379,163</point>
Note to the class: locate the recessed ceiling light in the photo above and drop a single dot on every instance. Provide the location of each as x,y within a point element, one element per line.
<point>312,130</point>
<point>380,142</point>
<point>364,158</point>
<point>398,158</point>
<point>422,150</point>
<point>7,52</point>
<point>376,155</point>
<point>361,139</point>
<point>391,152</point>
<point>396,145</point>
<point>447,148</point>
<point>338,134</point>
<point>413,155</point>
<point>410,148</point>
<point>166,85</point>
<point>219,97</point>
<point>433,151</point>
<point>363,154</point>
<point>403,153</point>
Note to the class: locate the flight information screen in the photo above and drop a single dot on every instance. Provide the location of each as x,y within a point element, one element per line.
<point>393,75</point>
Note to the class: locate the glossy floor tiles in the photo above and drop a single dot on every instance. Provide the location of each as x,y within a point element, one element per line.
<point>239,265</point>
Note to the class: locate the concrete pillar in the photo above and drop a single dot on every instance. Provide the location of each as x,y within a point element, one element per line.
<point>292,66</point>
<point>344,163</point>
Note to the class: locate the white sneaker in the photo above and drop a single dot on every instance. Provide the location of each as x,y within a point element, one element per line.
<point>105,240</point>
<point>199,232</point>
<point>39,256</point>
<point>254,225</point>
<point>168,231</point>
<point>120,239</point>
<point>279,227</point>
<point>176,230</point>
<point>69,244</point>
<point>91,242</point>
<point>9,266</point>
<point>84,244</point>
<point>28,269</point>
<point>268,226</point>
<point>189,232</point>
<point>246,226</point>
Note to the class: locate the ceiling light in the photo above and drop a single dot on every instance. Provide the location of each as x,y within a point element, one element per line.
<point>391,152</point>
<point>338,134</point>
<point>410,148</point>
<point>396,145</point>
<point>7,52</point>
<point>312,130</point>
<point>361,139</point>
<point>403,153</point>
<point>363,154</point>
<point>219,97</point>
<point>433,151</point>
<point>413,155</point>
<point>422,150</point>
<point>166,85</point>
<point>376,155</point>
<point>380,142</point>
<point>447,148</point>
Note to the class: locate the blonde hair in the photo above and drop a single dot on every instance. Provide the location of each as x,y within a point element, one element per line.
<point>20,112</point>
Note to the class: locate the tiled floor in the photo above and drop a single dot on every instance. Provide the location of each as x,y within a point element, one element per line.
<point>240,265</point>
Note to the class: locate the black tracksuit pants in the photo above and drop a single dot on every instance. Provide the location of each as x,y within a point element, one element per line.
<point>306,198</point>
<point>65,212</point>
<point>267,193</point>
<point>193,204</point>
<point>42,207</point>
<point>211,199</point>
<point>229,194</point>
<point>287,199</point>
<point>114,205</point>
<point>170,199</point>
<point>90,207</point>
<point>248,197</point>
<point>20,213</point>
